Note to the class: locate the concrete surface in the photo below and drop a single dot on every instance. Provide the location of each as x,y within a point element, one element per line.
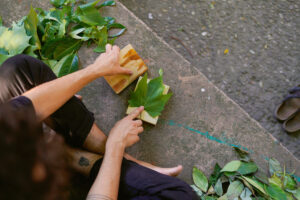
<point>200,123</point>
<point>263,42</point>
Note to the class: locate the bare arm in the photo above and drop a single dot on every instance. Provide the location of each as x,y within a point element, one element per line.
<point>50,96</point>
<point>124,134</point>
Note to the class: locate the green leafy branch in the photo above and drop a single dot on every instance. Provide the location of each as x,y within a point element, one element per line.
<point>150,95</point>
<point>241,179</point>
<point>55,36</point>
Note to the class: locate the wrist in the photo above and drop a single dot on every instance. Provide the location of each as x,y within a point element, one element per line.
<point>96,70</point>
<point>114,148</point>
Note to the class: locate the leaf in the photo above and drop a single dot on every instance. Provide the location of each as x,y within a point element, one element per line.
<point>262,177</point>
<point>200,179</point>
<point>275,180</point>
<point>88,14</point>
<point>246,194</point>
<point>274,166</point>
<point>234,190</point>
<point>244,156</point>
<point>297,194</point>
<point>15,41</point>
<point>219,188</point>
<point>57,3</point>
<point>101,36</point>
<point>150,96</point>
<point>197,190</point>
<point>288,181</point>
<point>30,24</point>
<point>75,34</point>
<point>1,21</point>
<point>66,65</point>
<point>232,166</point>
<point>50,63</point>
<point>215,175</point>
<point>276,192</point>
<point>118,26</point>
<point>224,197</point>
<point>240,167</point>
<point>256,184</point>
<point>247,168</point>
<point>107,3</point>
<point>3,58</point>
<point>57,49</point>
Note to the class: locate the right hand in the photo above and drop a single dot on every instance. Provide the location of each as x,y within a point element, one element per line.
<point>125,132</point>
<point>107,64</point>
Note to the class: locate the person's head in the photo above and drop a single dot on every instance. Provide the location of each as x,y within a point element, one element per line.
<point>31,167</point>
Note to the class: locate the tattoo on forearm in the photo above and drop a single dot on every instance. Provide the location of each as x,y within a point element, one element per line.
<point>98,197</point>
<point>83,161</point>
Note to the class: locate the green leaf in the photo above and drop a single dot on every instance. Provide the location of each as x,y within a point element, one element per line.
<point>244,156</point>
<point>240,167</point>
<point>57,49</point>
<point>3,58</point>
<point>210,198</point>
<point>274,166</point>
<point>275,180</point>
<point>200,179</point>
<point>255,183</point>
<point>232,166</point>
<point>247,168</point>
<point>88,14</point>
<point>107,3</point>
<point>30,24</point>
<point>246,194</point>
<point>215,175</point>
<point>261,177</point>
<point>15,41</point>
<point>197,190</point>
<point>224,197</point>
<point>219,188</point>
<point>1,21</point>
<point>50,63</point>
<point>75,34</point>
<point>150,96</point>
<point>288,181</point>
<point>101,36</point>
<point>235,189</point>
<point>276,192</point>
<point>66,65</point>
<point>297,194</point>
<point>57,3</point>
<point>116,26</point>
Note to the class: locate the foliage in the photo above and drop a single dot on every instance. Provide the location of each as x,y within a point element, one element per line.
<point>150,95</point>
<point>55,36</point>
<point>240,180</point>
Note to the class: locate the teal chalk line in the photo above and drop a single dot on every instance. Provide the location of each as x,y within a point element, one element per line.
<point>216,139</point>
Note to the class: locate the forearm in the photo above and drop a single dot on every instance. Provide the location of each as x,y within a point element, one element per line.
<point>106,185</point>
<point>50,96</point>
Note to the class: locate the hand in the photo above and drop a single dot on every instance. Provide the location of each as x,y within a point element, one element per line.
<point>107,64</point>
<point>125,132</point>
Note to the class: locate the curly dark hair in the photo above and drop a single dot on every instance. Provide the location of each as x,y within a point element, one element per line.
<point>23,145</point>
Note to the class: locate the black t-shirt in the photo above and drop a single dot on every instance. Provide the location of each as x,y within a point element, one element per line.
<point>22,102</point>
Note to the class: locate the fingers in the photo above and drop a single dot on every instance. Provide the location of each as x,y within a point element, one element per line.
<point>126,71</point>
<point>134,114</point>
<point>108,48</point>
<point>140,129</point>
<point>116,49</point>
<point>138,122</point>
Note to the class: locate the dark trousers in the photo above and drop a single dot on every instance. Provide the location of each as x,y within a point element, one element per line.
<point>74,121</point>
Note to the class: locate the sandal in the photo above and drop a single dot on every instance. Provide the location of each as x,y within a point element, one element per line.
<point>289,105</point>
<point>292,125</point>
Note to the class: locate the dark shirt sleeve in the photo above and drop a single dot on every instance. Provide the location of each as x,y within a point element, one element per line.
<point>22,103</point>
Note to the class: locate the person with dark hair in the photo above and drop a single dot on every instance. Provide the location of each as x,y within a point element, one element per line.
<point>34,164</point>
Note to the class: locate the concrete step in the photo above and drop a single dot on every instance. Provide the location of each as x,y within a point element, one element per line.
<point>200,124</point>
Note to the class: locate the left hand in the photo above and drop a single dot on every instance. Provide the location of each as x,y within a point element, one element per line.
<point>107,64</point>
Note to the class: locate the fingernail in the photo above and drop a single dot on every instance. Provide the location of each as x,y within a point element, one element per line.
<point>142,107</point>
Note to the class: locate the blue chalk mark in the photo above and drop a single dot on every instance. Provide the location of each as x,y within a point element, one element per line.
<point>225,140</point>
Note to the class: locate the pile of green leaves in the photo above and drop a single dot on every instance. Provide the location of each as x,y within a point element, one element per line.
<point>241,180</point>
<point>150,95</point>
<point>55,36</point>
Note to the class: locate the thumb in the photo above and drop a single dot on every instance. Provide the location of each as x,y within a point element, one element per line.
<point>125,71</point>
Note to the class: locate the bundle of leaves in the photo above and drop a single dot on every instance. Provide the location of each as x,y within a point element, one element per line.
<point>241,180</point>
<point>55,36</point>
<point>150,94</point>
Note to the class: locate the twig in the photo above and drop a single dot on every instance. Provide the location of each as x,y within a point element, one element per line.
<point>180,41</point>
